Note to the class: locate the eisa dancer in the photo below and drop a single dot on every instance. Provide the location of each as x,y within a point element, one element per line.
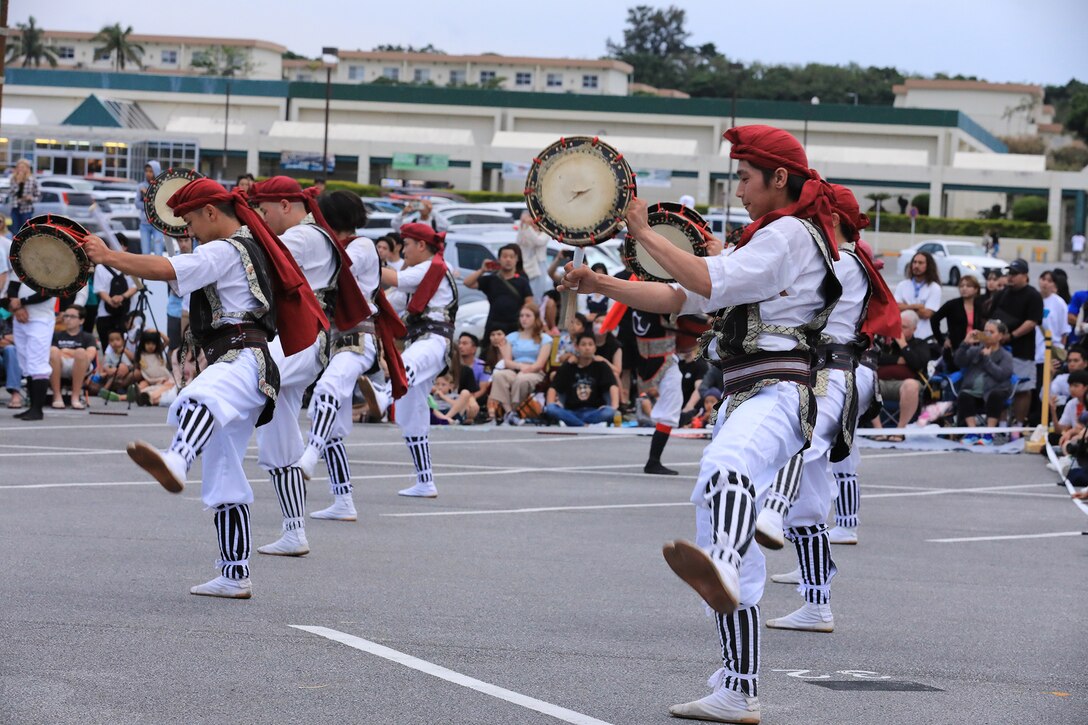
<point>294,216</point>
<point>770,297</point>
<point>431,311</point>
<point>354,353</point>
<point>241,281</point>
<point>658,371</point>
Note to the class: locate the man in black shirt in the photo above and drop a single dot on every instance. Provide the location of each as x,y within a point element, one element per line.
<point>588,386</point>
<point>71,357</point>
<point>1020,307</point>
<point>506,287</point>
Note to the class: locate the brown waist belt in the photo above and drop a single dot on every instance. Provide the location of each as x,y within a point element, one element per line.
<point>837,357</point>
<point>744,372</point>
<point>234,337</point>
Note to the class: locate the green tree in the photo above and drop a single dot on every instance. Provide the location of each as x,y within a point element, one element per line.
<point>223,60</point>
<point>30,46</point>
<point>428,48</point>
<point>115,41</point>
<point>1077,120</point>
<point>1030,209</point>
<point>655,44</point>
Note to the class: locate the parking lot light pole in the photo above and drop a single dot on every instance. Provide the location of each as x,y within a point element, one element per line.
<point>326,54</point>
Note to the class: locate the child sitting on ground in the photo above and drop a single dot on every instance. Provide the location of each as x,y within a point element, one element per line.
<point>153,376</point>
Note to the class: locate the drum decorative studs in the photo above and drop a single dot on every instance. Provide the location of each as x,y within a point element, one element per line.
<point>47,255</point>
<point>681,230</point>
<point>164,186</point>
<point>578,190</point>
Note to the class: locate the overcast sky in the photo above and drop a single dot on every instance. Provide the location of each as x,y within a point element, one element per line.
<point>1042,41</point>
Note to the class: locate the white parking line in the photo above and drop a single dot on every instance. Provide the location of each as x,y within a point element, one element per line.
<point>430,668</point>
<point>539,509</point>
<point>1004,538</point>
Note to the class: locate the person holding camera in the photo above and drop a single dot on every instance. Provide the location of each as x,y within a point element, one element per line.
<point>987,376</point>
<point>506,287</point>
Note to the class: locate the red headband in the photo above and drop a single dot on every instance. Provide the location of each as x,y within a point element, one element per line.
<point>196,194</point>
<point>846,206</point>
<point>424,233</point>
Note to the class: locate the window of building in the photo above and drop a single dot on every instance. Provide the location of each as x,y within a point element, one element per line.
<point>589,81</point>
<point>169,57</point>
<point>392,74</point>
<point>66,52</point>
<point>555,80</point>
<point>102,55</point>
<point>421,75</point>
<point>486,76</point>
<point>457,78</point>
<point>355,72</point>
<point>523,79</point>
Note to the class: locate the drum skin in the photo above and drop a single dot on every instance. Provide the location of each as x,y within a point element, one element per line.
<point>47,255</point>
<point>159,192</point>
<point>578,190</point>
<point>681,231</point>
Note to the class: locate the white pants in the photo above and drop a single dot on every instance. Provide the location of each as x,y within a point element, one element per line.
<point>339,381</point>
<point>229,390</point>
<point>670,397</point>
<point>866,381</point>
<point>33,339</point>
<point>423,361</point>
<point>755,440</point>
<point>817,489</point>
<point>279,442</point>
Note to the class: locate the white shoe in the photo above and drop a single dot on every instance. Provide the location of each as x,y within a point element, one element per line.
<point>842,535</point>
<point>168,468</point>
<point>1064,464</point>
<point>794,577</point>
<point>722,705</point>
<point>769,530</point>
<point>342,509</point>
<point>809,618</point>
<point>224,587</point>
<point>308,461</point>
<point>717,582</point>
<point>292,543</point>
<point>421,490</point>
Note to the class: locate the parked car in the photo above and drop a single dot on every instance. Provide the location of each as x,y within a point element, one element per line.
<point>720,226</point>
<point>954,259</point>
<point>467,250</point>
<point>74,204</point>
<point>513,208</point>
<point>450,216</point>
<point>111,197</point>
<point>378,224</point>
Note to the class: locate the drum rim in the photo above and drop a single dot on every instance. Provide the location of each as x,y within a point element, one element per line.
<point>657,217</point>
<point>151,213</point>
<point>608,227</point>
<point>684,211</point>
<point>59,232</point>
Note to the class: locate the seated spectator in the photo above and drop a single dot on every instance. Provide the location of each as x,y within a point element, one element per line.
<point>700,415</point>
<point>960,315</point>
<point>153,377</point>
<point>506,287</point>
<point>524,359</point>
<point>72,357</point>
<point>449,407</point>
<point>900,362</point>
<point>566,352</point>
<point>584,391</point>
<point>116,372</point>
<point>597,303</point>
<point>13,376</point>
<point>549,310</point>
<point>475,377</point>
<point>1074,407</point>
<point>1075,359</point>
<point>987,375</point>
<point>692,369</point>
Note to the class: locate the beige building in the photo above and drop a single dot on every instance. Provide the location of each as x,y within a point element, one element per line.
<point>1003,109</point>
<point>510,73</point>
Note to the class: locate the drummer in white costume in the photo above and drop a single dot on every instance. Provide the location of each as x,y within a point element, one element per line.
<point>803,490</point>
<point>354,353</point>
<point>768,316</point>
<point>288,212</point>
<point>241,280</point>
<point>430,313</point>
<point>33,320</point>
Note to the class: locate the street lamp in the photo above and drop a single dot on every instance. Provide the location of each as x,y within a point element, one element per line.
<point>226,128</point>
<point>815,101</point>
<point>853,97</point>
<point>330,57</point>
<point>733,123</point>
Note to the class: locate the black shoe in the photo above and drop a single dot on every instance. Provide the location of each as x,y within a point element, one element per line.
<point>26,412</point>
<point>656,468</point>
<point>32,414</point>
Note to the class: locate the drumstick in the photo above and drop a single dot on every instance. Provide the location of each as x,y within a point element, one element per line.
<point>569,303</point>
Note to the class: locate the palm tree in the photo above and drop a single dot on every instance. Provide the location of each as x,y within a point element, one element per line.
<point>116,43</point>
<point>223,60</point>
<point>30,45</point>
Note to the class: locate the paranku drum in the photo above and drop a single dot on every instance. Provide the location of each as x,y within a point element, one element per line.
<point>682,231</point>
<point>47,255</point>
<point>159,192</point>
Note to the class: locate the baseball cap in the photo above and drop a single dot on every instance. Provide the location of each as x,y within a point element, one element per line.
<point>1018,266</point>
